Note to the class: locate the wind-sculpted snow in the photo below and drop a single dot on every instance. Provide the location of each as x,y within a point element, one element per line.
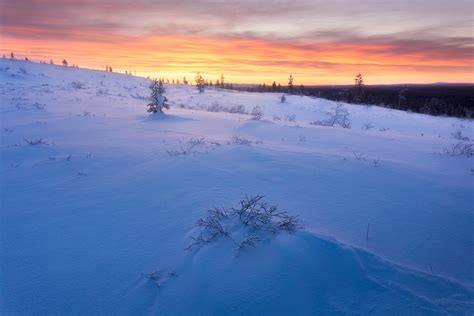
<point>98,199</point>
<point>300,273</point>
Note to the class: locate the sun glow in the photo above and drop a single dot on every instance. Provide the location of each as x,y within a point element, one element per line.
<point>248,60</point>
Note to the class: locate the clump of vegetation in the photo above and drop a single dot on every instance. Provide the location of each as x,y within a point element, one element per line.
<point>460,149</point>
<point>259,218</point>
<point>158,100</point>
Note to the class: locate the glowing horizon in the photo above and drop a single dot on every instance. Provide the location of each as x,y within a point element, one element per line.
<point>247,46</point>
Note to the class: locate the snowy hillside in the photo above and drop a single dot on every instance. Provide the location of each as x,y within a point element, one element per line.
<point>99,201</point>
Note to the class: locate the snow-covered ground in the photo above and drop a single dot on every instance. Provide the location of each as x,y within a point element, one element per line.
<point>109,192</point>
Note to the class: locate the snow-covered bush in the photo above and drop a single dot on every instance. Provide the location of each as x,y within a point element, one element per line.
<point>158,100</point>
<point>257,113</point>
<point>276,118</point>
<point>259,218</point>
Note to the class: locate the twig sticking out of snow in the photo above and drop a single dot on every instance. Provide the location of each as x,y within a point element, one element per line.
<point>249,241</point>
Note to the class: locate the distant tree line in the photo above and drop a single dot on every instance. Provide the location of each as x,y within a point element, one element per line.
<point>435,99</point>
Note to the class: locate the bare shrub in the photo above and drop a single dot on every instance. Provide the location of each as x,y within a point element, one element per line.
<point>320,123</point>
<point>367,126</point>
<point>153,276</point>
<point>338,116</point>
<point>77,85</point>
<point>37,141</point>
<point>460,149</point>
<point>290,118</point>
<point>218,212</point>
<point>30,107</point>
<point>180,152</point>
<point>135,96</point>
<point>240,140</point>
<point>211,228</point>
<point>251,212</point>
<point>193,146</point>
<point>257,113</point>
<point>458,135</point>
<point>237,108</point>
<point>215,107</point>
<point>197,141</point>
<point>276,118</point>
<point>359,156</point>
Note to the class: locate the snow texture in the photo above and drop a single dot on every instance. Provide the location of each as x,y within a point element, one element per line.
<point>99,201</point>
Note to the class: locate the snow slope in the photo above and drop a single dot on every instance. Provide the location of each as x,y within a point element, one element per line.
<point>114,192</point>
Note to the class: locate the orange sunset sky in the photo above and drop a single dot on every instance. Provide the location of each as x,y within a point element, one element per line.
<point>319,42</point>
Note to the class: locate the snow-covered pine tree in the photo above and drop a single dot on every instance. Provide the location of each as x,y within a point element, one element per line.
<point>158,100</point>
<point>200,83</point>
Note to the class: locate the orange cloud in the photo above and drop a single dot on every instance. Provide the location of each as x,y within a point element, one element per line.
<point>248,60</point>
